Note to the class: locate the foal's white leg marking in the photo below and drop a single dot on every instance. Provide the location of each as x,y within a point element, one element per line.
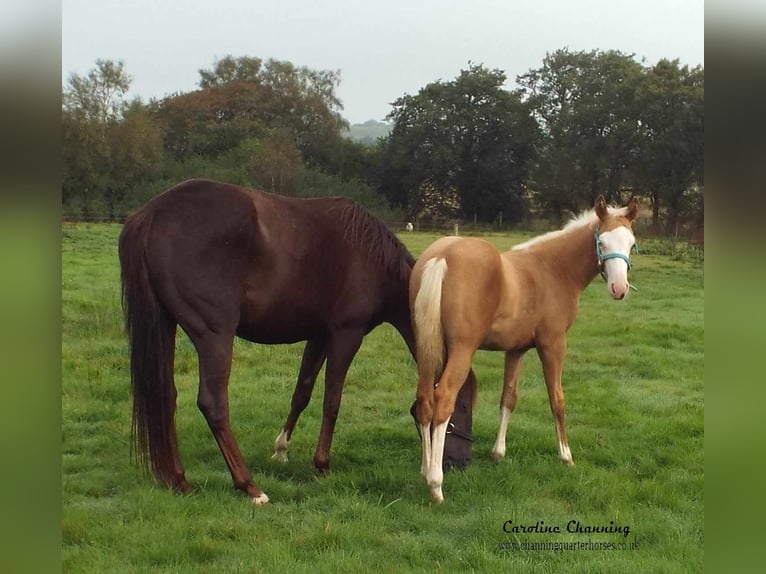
<point>280,449</point>
<point>425,442</point>
<point>498,451</point>
<point>261,499</point>
<point>435,473</point>
<point>565,453</point>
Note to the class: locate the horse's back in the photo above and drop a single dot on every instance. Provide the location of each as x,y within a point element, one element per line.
<point>471,288</point>
<point>277,269</point>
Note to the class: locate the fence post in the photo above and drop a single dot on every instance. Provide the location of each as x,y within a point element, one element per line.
<point>455,229</point>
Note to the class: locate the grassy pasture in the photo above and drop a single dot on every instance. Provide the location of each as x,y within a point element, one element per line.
<point>635,402</point>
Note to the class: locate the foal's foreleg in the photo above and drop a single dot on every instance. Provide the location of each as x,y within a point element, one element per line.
<point>313,358</point>
<point>552,357</point>
<point>508,399</point>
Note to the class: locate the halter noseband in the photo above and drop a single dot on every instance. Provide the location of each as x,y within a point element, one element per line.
<point>454,431</point>
<point>600,257</point>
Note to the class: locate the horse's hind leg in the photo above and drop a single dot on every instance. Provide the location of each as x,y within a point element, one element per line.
<point>508,399</point>
<point>215,353</point>
<point>552,358</point>
<point>424,413</point>
<point>341,348</point>
<point>313,358</point>
<point>459,358</point>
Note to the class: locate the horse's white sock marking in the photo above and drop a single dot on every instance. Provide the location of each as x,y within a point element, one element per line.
<point>425,441</point>
<point>498,451</point>
<point>280,448</point>
<point>565,453</point>
<point>261,499</point>
<point>435,475</point>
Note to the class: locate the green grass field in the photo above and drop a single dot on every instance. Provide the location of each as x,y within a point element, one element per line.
<point>635,406</point>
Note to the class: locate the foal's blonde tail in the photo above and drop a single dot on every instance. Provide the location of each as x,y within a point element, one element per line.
<point>427,321</point>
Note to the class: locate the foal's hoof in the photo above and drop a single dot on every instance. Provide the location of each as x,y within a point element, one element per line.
<point>436,496</point>
<point>260,500</point>
<point>280,455</point>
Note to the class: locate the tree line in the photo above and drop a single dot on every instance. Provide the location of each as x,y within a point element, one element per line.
<point>582,124</point>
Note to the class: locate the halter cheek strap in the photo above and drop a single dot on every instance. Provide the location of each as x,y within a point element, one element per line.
<point>601,257</point>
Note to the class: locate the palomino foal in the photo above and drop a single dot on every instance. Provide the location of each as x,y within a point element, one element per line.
<point>465,295</point>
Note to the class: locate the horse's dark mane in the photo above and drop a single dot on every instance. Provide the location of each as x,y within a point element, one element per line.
<point>362,228</point>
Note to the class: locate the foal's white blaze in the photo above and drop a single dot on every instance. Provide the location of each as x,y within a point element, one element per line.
<point>280,448</point>
<point>498,451</point>
<point>435,475</point>
<point>619,240</point>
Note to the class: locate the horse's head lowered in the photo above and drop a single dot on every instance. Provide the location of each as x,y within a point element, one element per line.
<point>614,240</point>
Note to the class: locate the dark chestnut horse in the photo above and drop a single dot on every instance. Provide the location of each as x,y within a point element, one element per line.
<point>465,296</point>
<point>224,261</point>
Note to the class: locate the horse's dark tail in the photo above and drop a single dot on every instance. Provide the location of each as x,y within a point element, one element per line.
<point>151,338</point>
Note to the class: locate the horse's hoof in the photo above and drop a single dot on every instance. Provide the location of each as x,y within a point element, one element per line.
<point>323,471</point>
<point>183,488</point>
<point>260,500</point>
<point>280,455</point>
<point>436,496</point>
<point>497,456</point>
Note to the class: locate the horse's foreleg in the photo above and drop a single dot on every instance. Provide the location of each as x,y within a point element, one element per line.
<point>313,358</point>
<point>508,399</point>
<point>455,372</point>
<point>552,357</point>
<point>341,349</point>
<point>214,367</point>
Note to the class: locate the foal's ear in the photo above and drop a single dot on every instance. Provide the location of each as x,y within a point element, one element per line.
<point>601,209</point>
<point>632,208</point>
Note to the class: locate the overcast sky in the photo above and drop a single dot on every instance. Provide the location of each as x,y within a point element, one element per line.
<point>382,49</point>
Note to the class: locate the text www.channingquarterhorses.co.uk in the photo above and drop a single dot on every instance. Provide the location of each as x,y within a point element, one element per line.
<point>572,527</point>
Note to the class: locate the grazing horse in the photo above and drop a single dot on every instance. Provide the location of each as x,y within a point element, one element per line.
<point>465,295</point>
<point>223,261</point>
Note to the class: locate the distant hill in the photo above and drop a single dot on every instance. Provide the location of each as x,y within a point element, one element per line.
<point>368,132</point>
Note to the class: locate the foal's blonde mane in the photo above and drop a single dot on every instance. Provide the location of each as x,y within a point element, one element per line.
<point>577,222</point>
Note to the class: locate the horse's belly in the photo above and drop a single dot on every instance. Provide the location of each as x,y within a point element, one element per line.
<point>278,325</point>
<point>504,335</point>
<point>276,334</point>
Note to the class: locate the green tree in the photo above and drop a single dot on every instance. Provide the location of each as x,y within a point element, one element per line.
<point>468,137</point>
<point>111,146</point>
<point>670,165</point>
<point>587,106</point>
<point>241,98</point>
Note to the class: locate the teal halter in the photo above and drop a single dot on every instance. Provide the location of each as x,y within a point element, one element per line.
<point>600,257</point>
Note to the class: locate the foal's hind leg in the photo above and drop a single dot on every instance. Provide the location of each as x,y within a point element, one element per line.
<point>424,413</point>
<point>552,357</point>
<point>456,370</point>
<point>313,358</point>
<point>508,399</point>
<point>214,368</point>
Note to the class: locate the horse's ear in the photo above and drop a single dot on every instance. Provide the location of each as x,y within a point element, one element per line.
<point>632,208</point>
<point>601,208</point>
